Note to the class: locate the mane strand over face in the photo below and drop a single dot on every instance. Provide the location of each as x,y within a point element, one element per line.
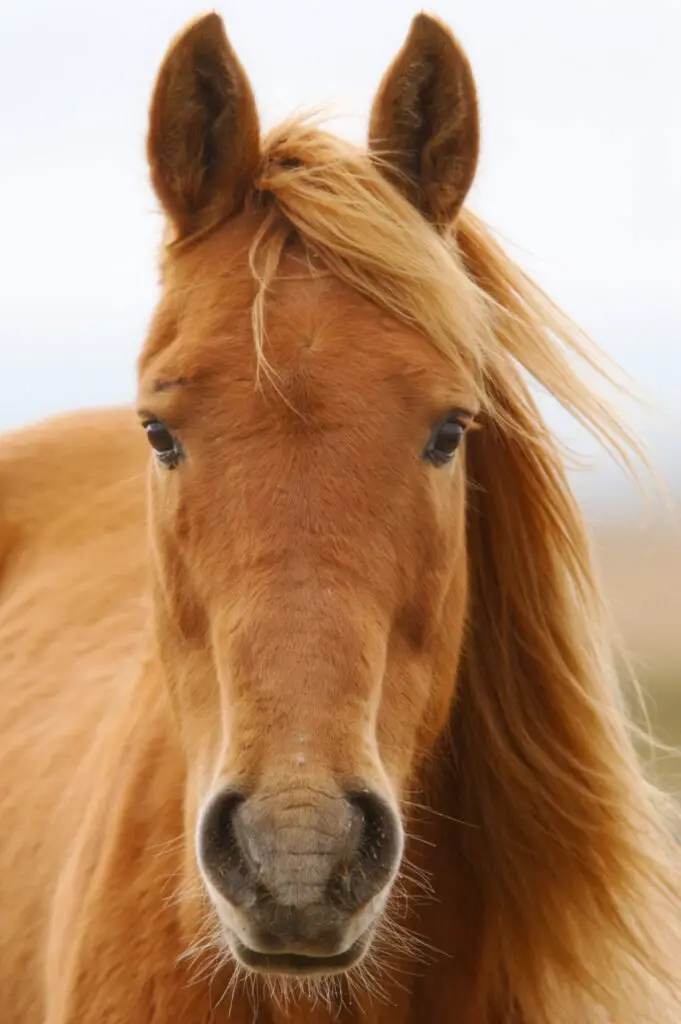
<point>574,859</point>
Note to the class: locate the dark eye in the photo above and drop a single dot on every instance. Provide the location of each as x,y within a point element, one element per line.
<point>166,447</point>
<point>444,440</point>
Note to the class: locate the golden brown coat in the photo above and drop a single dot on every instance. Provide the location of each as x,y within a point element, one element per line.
<point>304,598</point>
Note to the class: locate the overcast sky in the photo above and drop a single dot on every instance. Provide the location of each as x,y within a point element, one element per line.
<point>581,167</point>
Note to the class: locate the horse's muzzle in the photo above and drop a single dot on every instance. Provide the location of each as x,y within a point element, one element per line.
<point>299,875</point>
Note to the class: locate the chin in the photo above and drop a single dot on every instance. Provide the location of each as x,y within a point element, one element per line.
<point>296,964</point>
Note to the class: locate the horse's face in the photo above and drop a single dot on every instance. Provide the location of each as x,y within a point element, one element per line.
<point>311,564</point>
<point>310,572</point>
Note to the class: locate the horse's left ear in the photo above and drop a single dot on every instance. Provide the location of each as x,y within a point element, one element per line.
<point>203,144</point>
<point>424,122</point>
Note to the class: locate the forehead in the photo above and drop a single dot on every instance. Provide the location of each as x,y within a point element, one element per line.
<point>322,342</point>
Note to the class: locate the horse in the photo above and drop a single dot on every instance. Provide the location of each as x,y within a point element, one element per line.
<point>311,709</point>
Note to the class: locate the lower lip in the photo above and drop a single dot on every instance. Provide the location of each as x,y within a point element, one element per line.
<point>297,963</point>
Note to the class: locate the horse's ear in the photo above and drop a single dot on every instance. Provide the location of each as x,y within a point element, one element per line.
<point>203,144</point>
<point>424,122</point>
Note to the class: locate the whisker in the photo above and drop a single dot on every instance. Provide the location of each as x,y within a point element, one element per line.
<point>439,814</point>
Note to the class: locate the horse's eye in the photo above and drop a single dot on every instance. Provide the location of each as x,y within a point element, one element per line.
<point>164,444</point>
<point>160,438</point>
<point>444,440</point>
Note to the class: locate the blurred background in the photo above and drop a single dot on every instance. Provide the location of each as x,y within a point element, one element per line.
<point>581,108</point>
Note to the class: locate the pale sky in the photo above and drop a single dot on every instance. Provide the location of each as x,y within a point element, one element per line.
<point>581,167</point>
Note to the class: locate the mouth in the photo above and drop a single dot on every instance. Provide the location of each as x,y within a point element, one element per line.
<point>300,964</point>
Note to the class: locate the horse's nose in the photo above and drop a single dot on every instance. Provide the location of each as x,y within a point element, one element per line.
<point>298,864</point>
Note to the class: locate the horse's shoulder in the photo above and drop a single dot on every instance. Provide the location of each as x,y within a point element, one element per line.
<point>56,469</point>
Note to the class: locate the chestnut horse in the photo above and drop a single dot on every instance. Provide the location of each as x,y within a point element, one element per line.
<point>309,713</point>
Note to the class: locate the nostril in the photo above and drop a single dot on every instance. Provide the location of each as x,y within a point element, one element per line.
<point>378,831</point>
<point>373,851</point>
<point>220,851</point>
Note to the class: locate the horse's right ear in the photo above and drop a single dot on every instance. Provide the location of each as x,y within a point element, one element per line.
<point>203,144</point>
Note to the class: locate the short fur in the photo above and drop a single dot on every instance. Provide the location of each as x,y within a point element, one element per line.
<point>302,566</point>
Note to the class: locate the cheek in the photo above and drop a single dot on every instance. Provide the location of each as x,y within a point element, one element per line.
<point>183,634</point>
<point>419,686</point>
<point>449,622</point>
<point>426,642</point>
<point>193,548</point>
<point>190,676</point>
<point>446,653</point>
<point>434,565</point>
<point>180,611</point>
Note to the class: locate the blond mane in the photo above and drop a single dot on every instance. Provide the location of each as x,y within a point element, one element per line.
<point>575,857</point>
<point>461,291</point>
